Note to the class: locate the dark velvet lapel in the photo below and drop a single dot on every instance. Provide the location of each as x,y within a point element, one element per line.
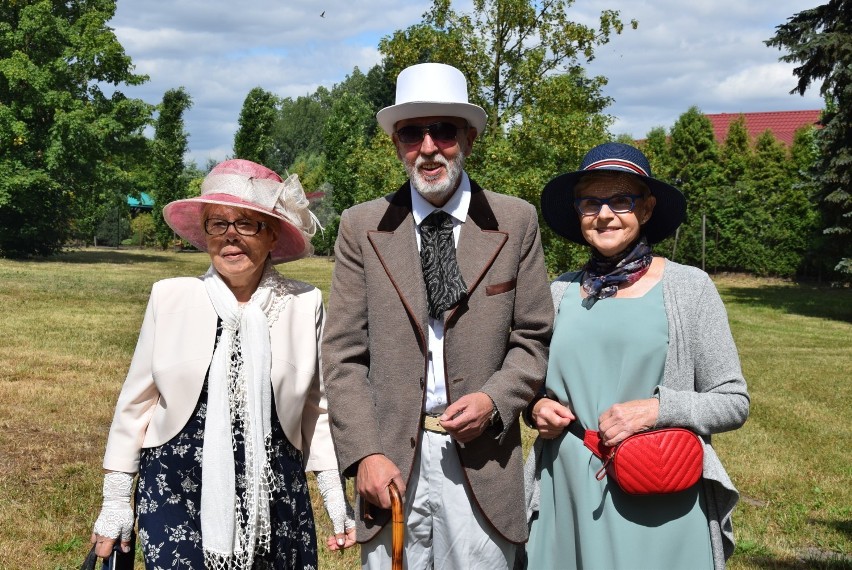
<point>479,243</point>
<point>398,209</point>
<point>480,210</point>
<point>396,246</point>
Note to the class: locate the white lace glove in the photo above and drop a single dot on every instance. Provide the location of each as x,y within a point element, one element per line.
<point>116,516</point>
<point>339,510</point>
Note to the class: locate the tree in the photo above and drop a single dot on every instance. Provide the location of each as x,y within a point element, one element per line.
<point>552,136</point>
<point>656,148</point>
<point>169,147</point>
<point>784,213</point>
<point>506,48</point>
<point>66,148</point>
<point>736,152</point>
<point>818,40</point>
<point>253,139</point>
<point>804,154</point>
<point>143,229</point>
<point>344,135</point>
<point>380,88</point>
<point>696,171</point>
<point>299,128</point>
<point>734,223</point>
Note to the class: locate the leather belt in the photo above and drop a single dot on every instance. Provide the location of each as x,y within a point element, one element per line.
<point>431,423</point>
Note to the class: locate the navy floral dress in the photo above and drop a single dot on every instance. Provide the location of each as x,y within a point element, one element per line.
<point>168,498</point>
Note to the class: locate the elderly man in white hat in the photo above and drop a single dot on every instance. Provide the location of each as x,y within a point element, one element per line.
<point>439,319</point>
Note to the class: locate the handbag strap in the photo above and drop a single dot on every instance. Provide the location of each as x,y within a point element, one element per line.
<point>577,430</point>
<point>90,561</point>
<point>591,439</point>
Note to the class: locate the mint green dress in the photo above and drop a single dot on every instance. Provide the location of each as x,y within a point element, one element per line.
<point>613,352</point>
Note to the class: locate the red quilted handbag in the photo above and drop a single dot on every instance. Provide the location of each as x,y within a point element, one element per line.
<point>651,462</point>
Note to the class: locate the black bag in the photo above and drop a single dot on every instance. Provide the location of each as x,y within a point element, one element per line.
<point>118,560</point>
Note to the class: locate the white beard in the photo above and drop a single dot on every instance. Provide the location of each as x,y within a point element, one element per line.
<point>445,185</point>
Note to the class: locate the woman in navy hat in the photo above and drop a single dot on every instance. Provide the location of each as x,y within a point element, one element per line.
<point>639,342</point>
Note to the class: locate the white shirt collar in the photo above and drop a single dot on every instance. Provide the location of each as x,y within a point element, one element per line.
<point>457,206</point>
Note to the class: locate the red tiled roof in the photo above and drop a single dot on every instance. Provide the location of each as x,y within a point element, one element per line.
<point>783,124</point>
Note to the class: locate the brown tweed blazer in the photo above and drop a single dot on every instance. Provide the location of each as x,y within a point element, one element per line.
<point>495,341</point>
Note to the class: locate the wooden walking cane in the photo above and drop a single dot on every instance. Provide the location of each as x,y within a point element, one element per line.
<point>397,527</point>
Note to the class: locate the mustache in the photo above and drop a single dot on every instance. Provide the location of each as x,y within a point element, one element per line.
<point>434,159</point>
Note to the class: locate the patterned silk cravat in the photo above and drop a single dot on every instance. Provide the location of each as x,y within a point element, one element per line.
<point>444,284</point>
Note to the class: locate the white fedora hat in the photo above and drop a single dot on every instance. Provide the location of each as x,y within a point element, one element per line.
<point>431,90</point>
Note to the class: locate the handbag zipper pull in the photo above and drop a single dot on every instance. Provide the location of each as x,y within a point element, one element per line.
<point>602,471</point>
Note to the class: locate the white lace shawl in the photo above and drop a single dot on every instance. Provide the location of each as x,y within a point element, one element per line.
<point>228,542</point>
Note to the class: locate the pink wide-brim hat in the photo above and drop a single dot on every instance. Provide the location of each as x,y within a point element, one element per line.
<point>245,184</point>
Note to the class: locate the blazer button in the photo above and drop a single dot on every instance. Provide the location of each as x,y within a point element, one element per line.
<point>413,442</point>
<point>421,382</point>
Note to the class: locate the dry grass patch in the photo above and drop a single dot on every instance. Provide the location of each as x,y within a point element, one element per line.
<point>72,323</point>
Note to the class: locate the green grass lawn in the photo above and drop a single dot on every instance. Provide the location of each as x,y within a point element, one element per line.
<point>72,323</point>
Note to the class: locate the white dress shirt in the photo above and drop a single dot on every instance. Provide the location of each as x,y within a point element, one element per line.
<point>456,207</point>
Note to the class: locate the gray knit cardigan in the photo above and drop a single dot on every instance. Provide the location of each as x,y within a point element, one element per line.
<point>703,388</point>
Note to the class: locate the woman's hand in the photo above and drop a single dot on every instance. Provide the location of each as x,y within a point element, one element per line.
<point>103,545</point>
<point>623,420</point>
<point>348,538</point>
<point>116,518</point>
<point>332,488</point>
<point>551,418</point>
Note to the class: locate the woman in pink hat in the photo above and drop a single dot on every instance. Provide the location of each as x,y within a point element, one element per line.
<point>223,409</point>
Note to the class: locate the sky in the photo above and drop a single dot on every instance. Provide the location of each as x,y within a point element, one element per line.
<point>701,52</point>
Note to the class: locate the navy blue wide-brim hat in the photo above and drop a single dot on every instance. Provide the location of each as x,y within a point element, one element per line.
<point>557,198</point>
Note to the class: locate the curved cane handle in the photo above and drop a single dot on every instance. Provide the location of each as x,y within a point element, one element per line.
<point>397,527</point>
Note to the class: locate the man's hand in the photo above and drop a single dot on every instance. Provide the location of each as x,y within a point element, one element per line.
<point>469,416</point>
<point>623,420</point>
<point>375,473</point>
<point>551,418</point>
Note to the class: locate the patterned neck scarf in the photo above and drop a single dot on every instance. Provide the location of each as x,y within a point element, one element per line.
<point>444,283</point>
<point>603,275</point>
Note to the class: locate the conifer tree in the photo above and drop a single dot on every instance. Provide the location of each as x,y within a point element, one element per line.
<point>253,139</point>
<point>169,146</point>
<point>818,41</point>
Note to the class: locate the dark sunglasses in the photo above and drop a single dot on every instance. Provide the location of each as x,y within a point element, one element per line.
<point>439,132</point>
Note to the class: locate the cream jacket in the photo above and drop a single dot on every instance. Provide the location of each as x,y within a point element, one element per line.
<point>170,364</point>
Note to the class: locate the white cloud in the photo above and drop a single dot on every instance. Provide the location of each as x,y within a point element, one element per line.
<point>710,54</point>
<point>218,50</point>
<point>705,53</point>
<point>760,82</point>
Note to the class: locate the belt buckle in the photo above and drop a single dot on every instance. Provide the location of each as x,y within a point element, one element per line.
<point>431,423</point>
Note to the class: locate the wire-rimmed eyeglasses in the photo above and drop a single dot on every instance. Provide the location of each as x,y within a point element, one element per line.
<point>620,204</point>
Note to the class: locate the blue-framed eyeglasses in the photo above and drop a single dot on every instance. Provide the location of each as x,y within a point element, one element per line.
<point>620,204</point>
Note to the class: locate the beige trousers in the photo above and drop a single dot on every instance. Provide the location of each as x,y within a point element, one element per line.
<point>444,529</point>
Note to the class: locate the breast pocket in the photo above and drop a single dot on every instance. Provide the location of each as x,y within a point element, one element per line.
<point>499,288</point>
